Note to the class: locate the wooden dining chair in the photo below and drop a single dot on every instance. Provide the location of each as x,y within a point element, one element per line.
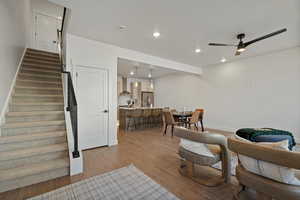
<point>169,121</point>
<point>193,120</point>
<point>201,117</point>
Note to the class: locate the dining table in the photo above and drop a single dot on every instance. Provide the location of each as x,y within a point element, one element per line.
<point>181,116</point>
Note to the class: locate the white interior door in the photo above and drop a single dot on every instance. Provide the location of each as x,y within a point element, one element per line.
<point>92,99</point>
<point>46,32</point>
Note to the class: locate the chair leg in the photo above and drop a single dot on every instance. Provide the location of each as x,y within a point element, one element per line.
<point>187,169</point>
<point>166,127</point>
<point>238,190</point>
<point>196,126</point>
<point>202,128</point>
<point>172,130</point>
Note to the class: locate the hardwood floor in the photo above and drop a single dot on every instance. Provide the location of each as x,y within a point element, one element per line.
<point>152,153</point>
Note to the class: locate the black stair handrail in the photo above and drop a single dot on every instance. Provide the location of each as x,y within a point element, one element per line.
<point>72,102</point>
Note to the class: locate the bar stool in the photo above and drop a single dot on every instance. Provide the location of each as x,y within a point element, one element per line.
<point>156,115</point>
<point>133,119</point>
<point>147,117</point>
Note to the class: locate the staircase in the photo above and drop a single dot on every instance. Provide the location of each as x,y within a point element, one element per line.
<point>33,145</point>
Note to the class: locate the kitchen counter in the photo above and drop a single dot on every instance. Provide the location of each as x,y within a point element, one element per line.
<point>145,117</point>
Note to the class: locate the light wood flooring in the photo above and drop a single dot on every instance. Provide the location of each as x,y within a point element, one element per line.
<point>151,152</point>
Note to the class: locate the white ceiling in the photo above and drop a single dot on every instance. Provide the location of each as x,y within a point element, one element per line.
<point>126,66</point>
<point>185,25</point>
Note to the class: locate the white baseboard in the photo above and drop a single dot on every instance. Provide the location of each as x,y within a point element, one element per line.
<point>8,98</point>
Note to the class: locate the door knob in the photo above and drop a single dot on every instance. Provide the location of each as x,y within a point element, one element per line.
<point>105,111</point>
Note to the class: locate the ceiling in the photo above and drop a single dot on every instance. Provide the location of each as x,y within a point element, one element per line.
<point>126,66</point>
<point>186,25</point>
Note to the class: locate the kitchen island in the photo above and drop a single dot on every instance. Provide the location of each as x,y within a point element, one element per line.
<point>139,118</point>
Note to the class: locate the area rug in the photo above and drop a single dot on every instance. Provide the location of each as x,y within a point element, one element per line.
<point>127,183</point>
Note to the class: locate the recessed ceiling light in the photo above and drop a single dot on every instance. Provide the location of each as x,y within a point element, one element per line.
<point>223,60</point>
<point>156,34</point>
<point>132,73</point>
<point>122,27</point>
<point>197,50</point>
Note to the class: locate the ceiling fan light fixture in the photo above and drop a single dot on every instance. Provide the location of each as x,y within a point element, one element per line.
<point>241,49</point>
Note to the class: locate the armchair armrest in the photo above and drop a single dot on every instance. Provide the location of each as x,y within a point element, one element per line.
<point>277,156</point>
<point>211,138</point>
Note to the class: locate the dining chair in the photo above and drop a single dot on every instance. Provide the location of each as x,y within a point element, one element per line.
<point>202,149</point>
<point>193,120</point>
<point>169,121</point>
<point>283,161</point>
<point>201,117</point>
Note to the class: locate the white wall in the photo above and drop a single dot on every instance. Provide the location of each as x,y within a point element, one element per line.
<point>81,51</point>
<point>14,15</point>
<point>262,91</point>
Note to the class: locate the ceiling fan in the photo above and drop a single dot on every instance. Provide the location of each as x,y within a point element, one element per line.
<point>241,46</point>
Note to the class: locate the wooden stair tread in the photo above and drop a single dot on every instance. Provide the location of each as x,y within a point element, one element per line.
<point>31,137</point>
<point>33,169</point>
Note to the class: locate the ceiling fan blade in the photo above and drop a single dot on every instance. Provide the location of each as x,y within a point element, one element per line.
<point>237,53</point>
<point>222,45</point>
<point>265,37</point>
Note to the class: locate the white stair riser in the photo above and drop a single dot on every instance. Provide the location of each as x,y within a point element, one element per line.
<point>37,91</point>
<point>40,72</point>
<point>31,130</point>
<point>37,78</point>
<point>40,84</point>
<point>20,99</point>
<point>47,117</point>
<point>29,180</point>
<point>24,108</point>
<point>32,160</point>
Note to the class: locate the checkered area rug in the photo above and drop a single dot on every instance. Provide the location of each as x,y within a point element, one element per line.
<point>121,184</point>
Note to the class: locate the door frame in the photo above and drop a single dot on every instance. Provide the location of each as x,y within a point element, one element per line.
<point>34,32</point>
<point>74,77</point>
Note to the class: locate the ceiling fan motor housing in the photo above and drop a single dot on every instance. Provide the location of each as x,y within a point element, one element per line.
<point>241,36</point>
